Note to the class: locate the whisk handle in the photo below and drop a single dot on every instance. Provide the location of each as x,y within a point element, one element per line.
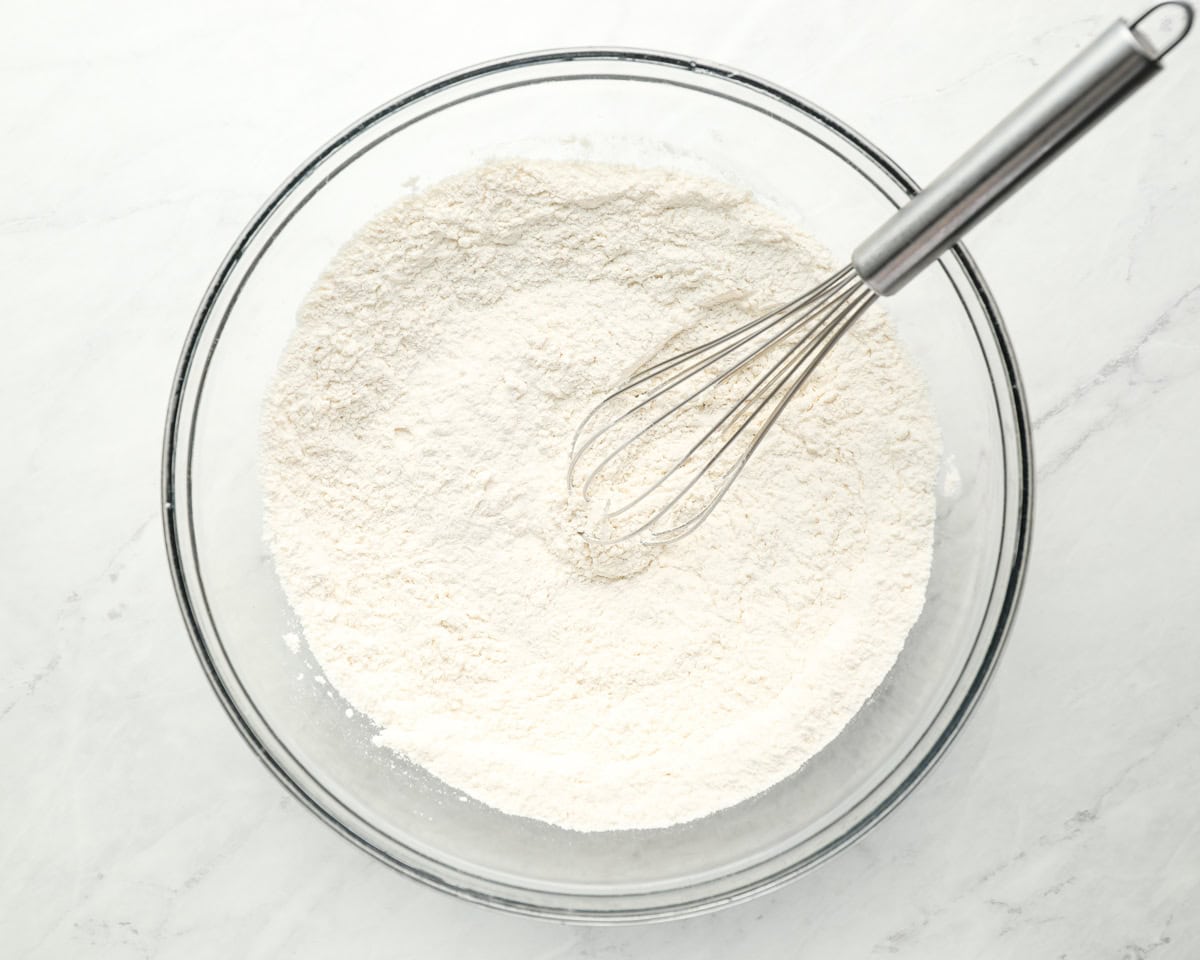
<point>1072,101</point>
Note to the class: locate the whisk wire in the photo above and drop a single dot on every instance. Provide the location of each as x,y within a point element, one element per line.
<point>805,329</point>
<point>745,333</point>
<point>828,285</point>
<point>804,367</point>
<point>765,382</point>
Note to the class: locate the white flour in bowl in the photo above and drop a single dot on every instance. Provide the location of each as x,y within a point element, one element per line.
<point>414,462</point>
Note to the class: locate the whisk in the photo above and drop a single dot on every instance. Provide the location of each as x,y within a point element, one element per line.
<point>684,420</point>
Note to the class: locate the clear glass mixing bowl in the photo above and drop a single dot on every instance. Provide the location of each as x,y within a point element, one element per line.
<point>612,105</point>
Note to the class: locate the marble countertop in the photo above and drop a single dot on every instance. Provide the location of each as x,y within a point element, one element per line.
<point>139,137</point>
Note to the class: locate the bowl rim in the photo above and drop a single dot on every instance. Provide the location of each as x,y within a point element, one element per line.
<point>178,442</point>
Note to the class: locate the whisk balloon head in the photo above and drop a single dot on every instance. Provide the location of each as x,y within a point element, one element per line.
<point>656,456</point>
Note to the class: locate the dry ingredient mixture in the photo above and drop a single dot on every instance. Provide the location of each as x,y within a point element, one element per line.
<point>414,464</point>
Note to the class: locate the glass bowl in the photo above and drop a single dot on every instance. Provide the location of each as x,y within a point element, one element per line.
<point>623,106</point>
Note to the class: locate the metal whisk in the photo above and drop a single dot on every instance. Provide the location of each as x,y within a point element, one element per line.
<point>684,419</point>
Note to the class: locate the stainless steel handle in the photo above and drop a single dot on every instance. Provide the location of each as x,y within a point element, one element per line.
<point>1118,62</point>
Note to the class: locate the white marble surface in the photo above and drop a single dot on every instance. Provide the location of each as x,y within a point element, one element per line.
<point>138,137</point>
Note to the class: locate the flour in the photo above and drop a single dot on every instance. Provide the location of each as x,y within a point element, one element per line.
<point>414,463</point>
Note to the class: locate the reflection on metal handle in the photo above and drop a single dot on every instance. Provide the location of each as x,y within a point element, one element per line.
<point>1119,61</point>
